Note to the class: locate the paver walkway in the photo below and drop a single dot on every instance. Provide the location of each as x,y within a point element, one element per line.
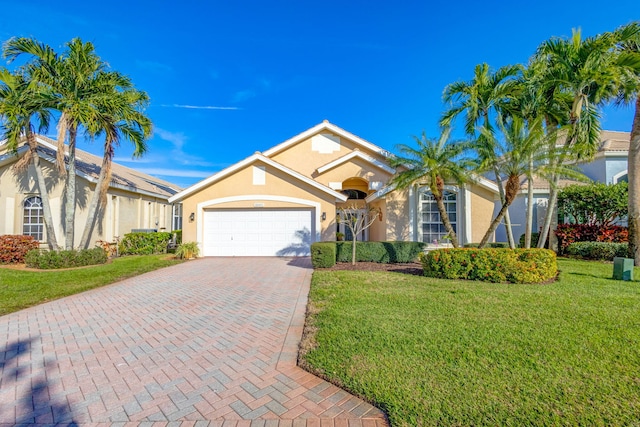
<point>208,342</point>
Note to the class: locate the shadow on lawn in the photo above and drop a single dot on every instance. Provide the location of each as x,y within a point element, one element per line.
<point>36,404</point>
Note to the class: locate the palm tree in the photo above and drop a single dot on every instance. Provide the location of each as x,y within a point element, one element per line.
<point>20,102</point>
<point>535,102</point>
<point>519,154</point>
<point>628,38</point>
<point>584,69</point>
<point>487,93</point>
<point>122,118</point>
<point>82,85</point>
<point>435,162</point>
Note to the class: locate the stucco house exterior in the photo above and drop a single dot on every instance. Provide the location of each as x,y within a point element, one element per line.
<point>279,201</point>
<point>134,200</point>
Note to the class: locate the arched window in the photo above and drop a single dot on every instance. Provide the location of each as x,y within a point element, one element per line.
<point>432,227</point>
<point>33,221</point>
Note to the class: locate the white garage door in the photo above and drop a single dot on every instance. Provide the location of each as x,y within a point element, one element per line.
<point>257,232</point>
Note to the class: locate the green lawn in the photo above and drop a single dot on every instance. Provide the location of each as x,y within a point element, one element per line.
<point>439,352</point>
<point>20,289</point>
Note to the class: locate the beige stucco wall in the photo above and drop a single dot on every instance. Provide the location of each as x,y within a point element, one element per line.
<point>398,216</point>
<point>353,168</point>
<point>240,185</point>
<point>123,212</point>
<point>482,204</point>
<point>303,159</point>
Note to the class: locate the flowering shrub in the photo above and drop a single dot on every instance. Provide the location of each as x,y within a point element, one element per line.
<point>491,265</point>
<point>13,248</point>
<point>571,233</point>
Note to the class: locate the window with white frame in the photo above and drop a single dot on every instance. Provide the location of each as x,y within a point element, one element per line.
<point>33,220</point>
<point>177,217</point>
<point>432,228</point>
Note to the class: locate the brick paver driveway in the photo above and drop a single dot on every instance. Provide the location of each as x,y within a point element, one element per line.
<point>208,342</point>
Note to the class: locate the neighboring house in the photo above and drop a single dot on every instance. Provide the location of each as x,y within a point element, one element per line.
<point>134,200</point>
<point>280,201</point>
<point>609,166</point>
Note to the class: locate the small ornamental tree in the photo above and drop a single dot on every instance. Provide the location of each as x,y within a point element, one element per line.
<point>595,204</point>
<point>357,220</point>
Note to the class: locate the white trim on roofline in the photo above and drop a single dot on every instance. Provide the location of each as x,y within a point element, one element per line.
<point>325,125</point>
<point>246,162</point>
<point>367,158</point>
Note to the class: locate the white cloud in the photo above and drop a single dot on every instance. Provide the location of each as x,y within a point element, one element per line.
<point>198,107</point>
<point>178,155</point>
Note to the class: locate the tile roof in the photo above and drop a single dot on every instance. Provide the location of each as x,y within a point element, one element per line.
<point>130,179</point>
<point>614,141</point>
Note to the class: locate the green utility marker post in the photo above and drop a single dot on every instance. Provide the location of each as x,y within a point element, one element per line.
<point>623,268</point>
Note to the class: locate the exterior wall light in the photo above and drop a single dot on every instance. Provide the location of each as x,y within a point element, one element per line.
<point>192,216</point>
<point>323,216</point>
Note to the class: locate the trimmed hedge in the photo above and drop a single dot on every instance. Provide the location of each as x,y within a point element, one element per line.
<point>604,251</point>
<point>145,243</point>
<point>489,245</point>
<point>13,248</point>
<point>572,233</point>
<point>323,254</point>
<point>65,259</point>
<point>382,252</point>
<point>491,265</point>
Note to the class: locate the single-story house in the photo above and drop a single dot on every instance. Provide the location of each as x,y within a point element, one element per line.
<point>279,201</point>
<point>134,200</point>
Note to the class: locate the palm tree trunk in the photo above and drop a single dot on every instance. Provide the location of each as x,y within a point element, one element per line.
<point>70,191</point>
<point>551,207</point>
<point>96,199</point>
<point>507,219</point>
<point>634,187</point>
<point>444,216</point>
<point>529,220</point>
<point>52,241</point>
<point>494,224</point>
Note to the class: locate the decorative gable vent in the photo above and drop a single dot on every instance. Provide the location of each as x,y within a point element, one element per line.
<point>325,143</point>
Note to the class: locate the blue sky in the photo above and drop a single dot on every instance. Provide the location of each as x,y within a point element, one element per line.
<point>229,78</point>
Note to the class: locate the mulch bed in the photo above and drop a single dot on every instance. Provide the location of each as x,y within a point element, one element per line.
<point>414,268</point>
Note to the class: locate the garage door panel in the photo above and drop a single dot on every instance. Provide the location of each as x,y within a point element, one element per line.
<point>257,232</point>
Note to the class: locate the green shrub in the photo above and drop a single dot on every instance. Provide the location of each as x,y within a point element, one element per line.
<point>605,251</point>
<point>323,254</point>
<point>178,234</point>
<point>65,259</point>
<point>145,243</point>
<point>382,252</point>
<point>187,250</point>
<point>489,245</point>
<point>491,265</point>
<point>535,236</point>
<point>13,248</point>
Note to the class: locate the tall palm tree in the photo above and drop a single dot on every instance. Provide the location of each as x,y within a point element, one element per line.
<point>21,102</point>
<point>536,102</point>
<point>487,94</point>
<point>628,45</point>
<point>585,70</point>
<point>434,162</point>
<point>82,85</point>
<point>122,118</point>
<point>520,154</point>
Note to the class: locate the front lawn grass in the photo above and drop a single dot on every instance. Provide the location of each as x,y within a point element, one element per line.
<point>20,288</point>
<point>441,352</point>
